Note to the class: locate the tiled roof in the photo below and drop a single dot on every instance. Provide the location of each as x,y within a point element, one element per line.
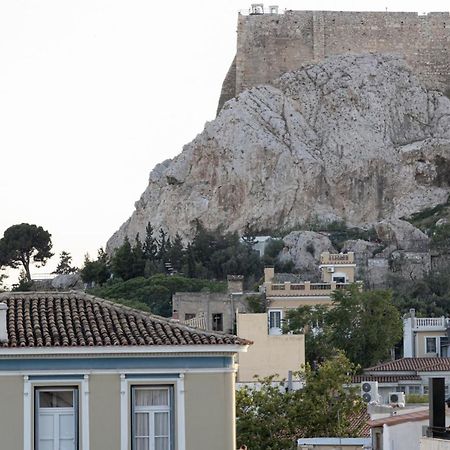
<point>385,378</point>
<point>401,418</point>
<point>413,365</point>
<point>72,319</point>
<point>359,424</point>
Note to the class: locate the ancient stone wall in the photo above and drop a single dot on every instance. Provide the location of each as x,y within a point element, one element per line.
<point>269,45</point>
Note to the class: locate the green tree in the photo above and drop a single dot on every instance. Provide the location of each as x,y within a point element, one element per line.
<point>163,246</point>
<point>264,417</point>
<point>270,418</point>
<point>156,291</point>
<point>190,262</point>
<point>22,285</point>
<point>96,271</point>
<point>64,266</point>
<point>312,322</point>
<point>366,325</point>
<point>150,246</point>
<point>3,277</point>
<point>122,261</point>
<point>24,244</point>
<point>138,259</point>
<point>327,403</point>
<point>352,325</point>
<point>176,253</point>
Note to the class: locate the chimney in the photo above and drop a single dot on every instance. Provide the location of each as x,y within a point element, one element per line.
<point>235,284</point>
<point>437,407</point>
<point>3,327</point>
<point>269,274</point>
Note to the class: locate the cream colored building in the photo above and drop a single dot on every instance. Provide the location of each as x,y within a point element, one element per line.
<point>425,336</point>
<point>269,354</point>
<point>337,272</point>
<point>81,373</point>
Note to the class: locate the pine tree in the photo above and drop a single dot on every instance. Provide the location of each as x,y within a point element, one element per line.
<point>163,245</point>
<point>138,266</point>
<point>122,261</point>
<point>176,253</point>
<point>65,264</point>
<point>150,246</point>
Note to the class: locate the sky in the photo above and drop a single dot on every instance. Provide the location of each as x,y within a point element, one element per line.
<point>95,93</point>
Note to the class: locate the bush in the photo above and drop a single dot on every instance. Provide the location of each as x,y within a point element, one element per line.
<point>154,292</point>
<point>416,398</point>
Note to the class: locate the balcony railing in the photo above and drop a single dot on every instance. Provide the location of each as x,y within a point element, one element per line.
<point>305,289</point>
<point>430,323</point>
<point>339,258</point>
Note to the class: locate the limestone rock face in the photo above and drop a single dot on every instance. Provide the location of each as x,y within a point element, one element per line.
<point>304,248</point>
<point>69,281</point>
<point>356,138</point>
<point>402,235</point>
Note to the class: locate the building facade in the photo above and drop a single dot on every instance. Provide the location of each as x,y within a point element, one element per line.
<point>82,373</point>
<point>286,291</point>
<point>425,336</point>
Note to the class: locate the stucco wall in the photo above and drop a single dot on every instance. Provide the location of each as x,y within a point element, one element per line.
<point>104,412</point>
<point>11,413</point>
<point>208,303</point>
<point>434,444</point>
<point>271,44</point>
<point>268,355</point>
<point>210,411</point>
<point>405,436</point>
<point>420,341</point>
<point>294,302</point>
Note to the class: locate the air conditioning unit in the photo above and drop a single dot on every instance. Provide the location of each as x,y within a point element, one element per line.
<point>397,399</point>
<point>330,269</point>
<point>369,392</point>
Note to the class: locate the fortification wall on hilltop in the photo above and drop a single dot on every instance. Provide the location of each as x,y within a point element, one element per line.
<point>269,45</point>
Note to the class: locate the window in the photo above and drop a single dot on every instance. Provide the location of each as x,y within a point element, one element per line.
<point>430,345</point>
<point>56,418</point>
<point>339,279</point>
<point>217,322</point>
<point>414,390</point>
<point>189,316</point>
<point>275,322</point>
<point>444,346</point>
<point>152,420</point>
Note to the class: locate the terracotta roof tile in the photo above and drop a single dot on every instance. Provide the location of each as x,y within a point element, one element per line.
<point>401,418</point>
<point>385,378</point>
<point>413,365</point>
<point>73,319</point>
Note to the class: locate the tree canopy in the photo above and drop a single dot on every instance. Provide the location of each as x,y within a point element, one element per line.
<point>270,418</point>
<point>352,325</point>
<point>24,244</point>
<point>64,266</point>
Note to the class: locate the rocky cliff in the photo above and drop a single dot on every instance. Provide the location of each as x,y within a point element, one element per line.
<point>355,137</point>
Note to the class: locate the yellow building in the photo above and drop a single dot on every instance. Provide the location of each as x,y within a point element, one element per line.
<point>269,354</point>
<point>286,291</point>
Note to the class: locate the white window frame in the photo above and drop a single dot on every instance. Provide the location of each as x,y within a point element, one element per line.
<point>74,410</point>
<point>29,386</point>
<point>274,331</point>
<point>437,342</point>
<point>126,407</point>
<point>152,411</point>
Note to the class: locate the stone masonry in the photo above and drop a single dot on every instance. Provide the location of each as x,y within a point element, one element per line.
<point>269,45</point>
